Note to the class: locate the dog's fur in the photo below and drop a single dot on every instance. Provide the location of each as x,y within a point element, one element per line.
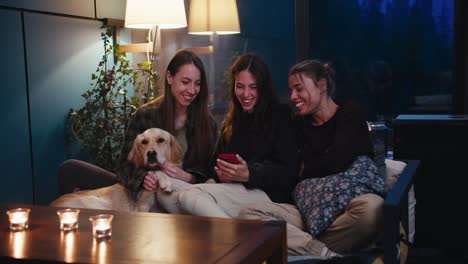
<point>150,149</point>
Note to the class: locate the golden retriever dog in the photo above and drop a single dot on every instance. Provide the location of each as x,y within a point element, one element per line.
<point>150,149</point>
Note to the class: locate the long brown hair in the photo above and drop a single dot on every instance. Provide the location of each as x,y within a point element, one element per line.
<point>198,116</point>
<point>265,94</point>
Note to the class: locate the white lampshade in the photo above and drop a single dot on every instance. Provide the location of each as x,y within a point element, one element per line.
<point>148,13</point>
<point>209,16</point>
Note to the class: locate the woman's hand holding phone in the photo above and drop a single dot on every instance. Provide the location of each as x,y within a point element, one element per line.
<point>231,158</point>
<point>232,168</point>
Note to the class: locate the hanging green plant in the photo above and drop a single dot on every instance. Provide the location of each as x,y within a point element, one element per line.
<point>100,125</point>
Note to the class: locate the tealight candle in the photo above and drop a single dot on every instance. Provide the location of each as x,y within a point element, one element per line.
<point>19,218</point>
<point>102,225</point>
<point>68,219</point>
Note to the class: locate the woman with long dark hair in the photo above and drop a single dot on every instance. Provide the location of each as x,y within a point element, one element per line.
<point>257,130</point>
<point>338,201</point>
<point>183,111</point>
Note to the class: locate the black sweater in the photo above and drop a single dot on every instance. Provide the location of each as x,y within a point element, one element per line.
<point>147,116</point>
<point>332,147</point>
<point>271,155</point>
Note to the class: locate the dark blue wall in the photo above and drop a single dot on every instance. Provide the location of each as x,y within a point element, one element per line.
<point>41,81</point>
<point>56,81</point>
<point>15,156</point>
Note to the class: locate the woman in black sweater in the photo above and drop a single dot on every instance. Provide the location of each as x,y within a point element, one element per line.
<point>258,130</point>
<point>338,197</point>
<point>183,111</point>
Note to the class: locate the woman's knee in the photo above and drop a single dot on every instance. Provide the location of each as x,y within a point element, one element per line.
<point>189,198</point>
<point>367,209</point>
<point>197,201</point>
<point>359,226</point>
<point>254,211</point>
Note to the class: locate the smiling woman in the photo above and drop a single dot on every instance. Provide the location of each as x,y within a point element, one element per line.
<point>246,90</point>
<point>338,197</point>
<point>257,135</point>
<point>182,111</point>
<point>185,86</point>
<point>185,101</point>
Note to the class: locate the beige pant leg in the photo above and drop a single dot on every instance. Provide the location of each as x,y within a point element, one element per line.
<point>218,200</point>
<point>169,201</point>
<point>358,227</point>
<point>299,241</point>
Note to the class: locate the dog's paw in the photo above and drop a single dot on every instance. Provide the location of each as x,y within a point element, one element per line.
<point>210,180</point>
<point>164,182</point>
<point>166,186</point>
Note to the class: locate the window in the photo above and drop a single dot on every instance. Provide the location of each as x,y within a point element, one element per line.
<point>392,56</point>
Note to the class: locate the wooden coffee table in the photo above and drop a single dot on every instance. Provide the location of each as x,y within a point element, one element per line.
<point>142,238</point>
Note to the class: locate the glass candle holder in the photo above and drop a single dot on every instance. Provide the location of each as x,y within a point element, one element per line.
<point>102,225</point>
<point>68,219</point>
<point>19,218</point>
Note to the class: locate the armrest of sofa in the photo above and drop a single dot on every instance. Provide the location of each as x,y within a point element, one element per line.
<point>396,210</point>
<point>75,175</point>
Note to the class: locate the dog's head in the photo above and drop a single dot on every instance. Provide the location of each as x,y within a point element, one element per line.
<point>154,146</point>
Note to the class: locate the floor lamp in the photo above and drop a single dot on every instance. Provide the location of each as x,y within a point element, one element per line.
<point>153,15</point>
<point>213,17</point>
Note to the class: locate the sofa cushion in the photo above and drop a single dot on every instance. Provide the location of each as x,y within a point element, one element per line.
<point>322,200</point>
<point>393,170</point>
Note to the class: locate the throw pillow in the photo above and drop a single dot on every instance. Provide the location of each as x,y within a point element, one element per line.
<point>322,200</point>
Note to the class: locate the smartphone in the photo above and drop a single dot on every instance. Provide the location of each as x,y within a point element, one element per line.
<point>231,158</point>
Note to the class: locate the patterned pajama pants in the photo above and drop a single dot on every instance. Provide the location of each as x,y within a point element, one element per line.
<point>322,200</point>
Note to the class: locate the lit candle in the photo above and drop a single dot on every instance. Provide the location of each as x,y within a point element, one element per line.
<point>102,229</point>
<point>102,225</point>
<point>19,218</point>
<point>68,219</point>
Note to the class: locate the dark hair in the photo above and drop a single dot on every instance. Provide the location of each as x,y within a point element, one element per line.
<point>316,70</point>
<point>198,115</point>
<point>265,94</point>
